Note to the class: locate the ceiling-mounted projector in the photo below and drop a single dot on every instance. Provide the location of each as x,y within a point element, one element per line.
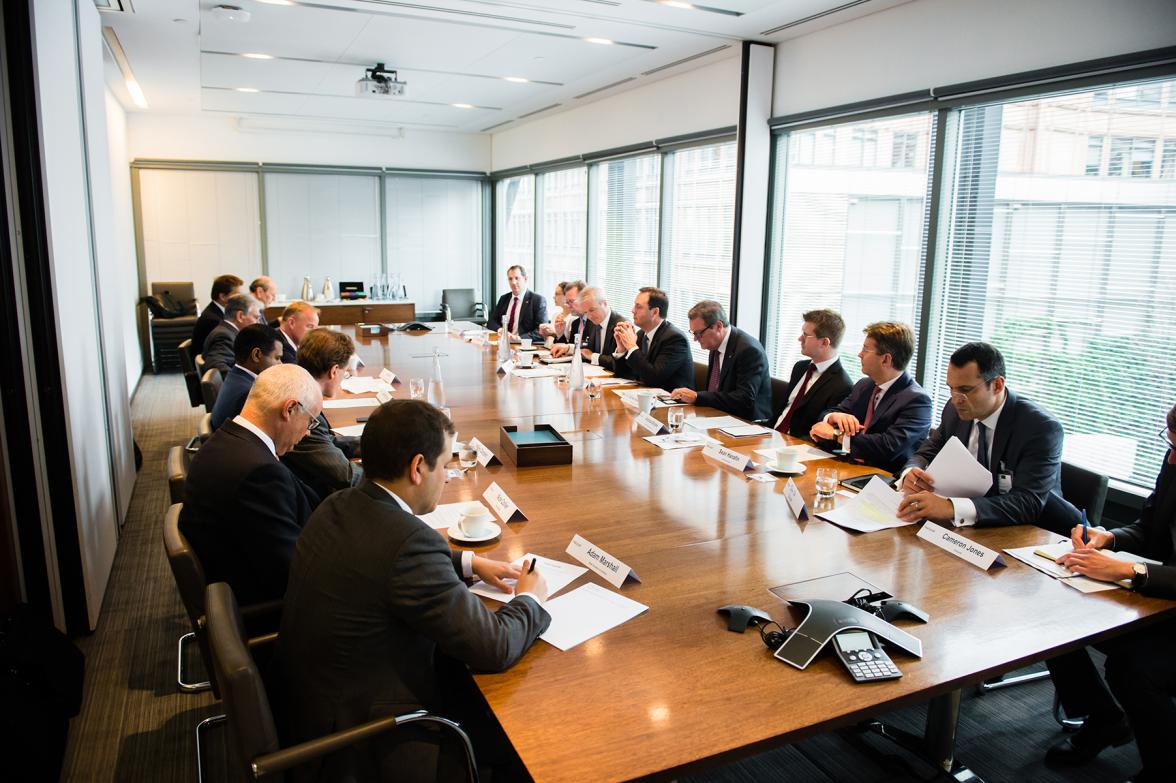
<point>378,80</point>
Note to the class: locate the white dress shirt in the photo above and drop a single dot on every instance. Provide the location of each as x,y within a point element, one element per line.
<point>722,349</point>
<point>963,509</point>
<point>259,432</point>
<point>648,336</point>
<point>820,368</point>
<point>604,325</point>
<point>247,371</point>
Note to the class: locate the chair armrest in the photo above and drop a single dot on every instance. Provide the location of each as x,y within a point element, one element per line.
<point>287,758</point>
<point>262,617</point>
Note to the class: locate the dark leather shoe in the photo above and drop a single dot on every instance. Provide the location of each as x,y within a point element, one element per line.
<point>1088,742</point>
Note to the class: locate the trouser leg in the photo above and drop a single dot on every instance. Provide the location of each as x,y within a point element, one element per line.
<point>1140,672</point>
<point>1081,689</point>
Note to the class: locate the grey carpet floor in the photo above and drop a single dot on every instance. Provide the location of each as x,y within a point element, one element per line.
<point>135,725</point>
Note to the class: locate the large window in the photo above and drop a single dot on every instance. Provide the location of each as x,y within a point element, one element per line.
<point>698,228</point>
<point>563,230</point>
<point>1065,258</point>
<point>623,240</point>
<point>848,229</point>
<point>514,226</point>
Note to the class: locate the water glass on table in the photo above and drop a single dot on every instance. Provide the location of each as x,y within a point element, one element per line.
<point>675,418</point>
<point>826,482</point>
<point>416,388</point>
<point>467,456</point>
<point>593,388</point>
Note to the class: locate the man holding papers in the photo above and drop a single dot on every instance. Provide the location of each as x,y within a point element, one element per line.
<point>1139,665</point>
<point>1017,443</point>
<point>375,594</point>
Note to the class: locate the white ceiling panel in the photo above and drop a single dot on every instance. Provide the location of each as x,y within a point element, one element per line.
<point>424,44</point>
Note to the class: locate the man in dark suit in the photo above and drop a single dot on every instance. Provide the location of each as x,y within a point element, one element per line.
<point>658,356</point>
<point>297,319</point>
<point>323,459</point>
<point>240,311</point>
<point>257,348</point>
<point>1019,443</point>
<point>377,602</point>
<point>818,382</point>
<point>599,322</point>
<point>887,414</point>
<point>737,370</point>
<point>243,509</point>
<point>522,311</point>
<point>1139,664</point>
<point>214,312</point>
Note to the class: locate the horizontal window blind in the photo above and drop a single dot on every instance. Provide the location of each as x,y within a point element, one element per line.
<point>563,230</point>
<point>514,227</point>
<point>623,242</point>
<point>849,217</point>
<point>1060,249</point>
<point>698,229</point>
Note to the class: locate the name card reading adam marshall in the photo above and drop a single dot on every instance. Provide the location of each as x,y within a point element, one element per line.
<point>506,367</point>
<point>961,547</point>
<point>613,570</point>
<point>650,424</point>
<point>732,459</point>
<point>485,455</point>
<point>503,506</point>
<point>387,376</point>
<point>795,501</point>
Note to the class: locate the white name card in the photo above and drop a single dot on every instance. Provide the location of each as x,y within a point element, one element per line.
<point>613,570</point>
<point>963,548</point>
<point>503,506</point>
<point>479,339</point>
<point>506,367</point>
<point>387,376</point>
<point>650,424</point>
<point>383,397</point>
<point>795,501</point>
<point>485,455</point>
<point>732,459</point>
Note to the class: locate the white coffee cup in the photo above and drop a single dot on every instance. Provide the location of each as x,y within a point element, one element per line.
<point>525,343</point>
<point>788,458</point>
<point>474,521</point>
<point>525,358</point>
<point>549,341</point>
<point>645,400</point>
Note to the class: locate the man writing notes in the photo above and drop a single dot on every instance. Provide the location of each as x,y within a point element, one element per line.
<point>737,371</point>
<point>243,509</point>
<point>598,322</point>
<point>658,355</point>
<point>297,319</point>
<point>240,311</point>
<point>223,287</point>
<point>887,414</point>
<point>521,311</point>
<point>818,381</point>
<point>377,604</point>
<point>1139,664</point>
<point>256,348</point>
<point>1019,443</point>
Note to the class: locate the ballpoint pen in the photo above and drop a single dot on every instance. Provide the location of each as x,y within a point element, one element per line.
<point>1085,536</point>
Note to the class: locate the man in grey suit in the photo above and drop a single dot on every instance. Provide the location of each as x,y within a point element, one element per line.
<point>737,370</point>
<point>1018,442</point>
<point>375,594</point>
<point>240,311</point>
<point>323,459</point>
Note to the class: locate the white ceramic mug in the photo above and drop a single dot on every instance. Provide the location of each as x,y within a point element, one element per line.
<point>474,522</point>
<point>524,343</point>
<point>525,358</point>
<point>645,401</point>
<point>788,458</point>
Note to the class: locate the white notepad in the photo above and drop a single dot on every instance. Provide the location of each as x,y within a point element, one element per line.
<point>585,612</point>
<point>557,573</point>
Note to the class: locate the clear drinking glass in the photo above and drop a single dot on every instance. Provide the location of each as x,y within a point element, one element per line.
<point>675,417</point>
<point>416,388</point>
<point>467,456</point>
<point>826,481</point>
<point>593,389</point>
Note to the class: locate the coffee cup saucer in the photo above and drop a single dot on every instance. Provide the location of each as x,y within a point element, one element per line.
<point>798,471</point>
<point>493,531</point>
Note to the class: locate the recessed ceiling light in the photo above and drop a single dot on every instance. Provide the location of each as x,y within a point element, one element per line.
<point>257,56</point>
<point>276,2</point>
<point>676,4</point>
<point>136,93</point>
<point>462,105</point>
<point>246,89</point>
<point>516,79</point>
<point>601,41</point>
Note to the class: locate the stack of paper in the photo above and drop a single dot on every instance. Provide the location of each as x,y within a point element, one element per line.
<point>585,612</point>
<point>364,384</point>
<point>557,573</point>
<point>874,508</point>
<point>956,472</point>
<point>1043,556</point>
<point>683,440</point>
<point>355,430</point>
<point>362,402</point>
<point>446,515</point>
<point>744,430</point>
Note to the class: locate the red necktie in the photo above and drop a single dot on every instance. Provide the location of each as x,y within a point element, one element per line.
<point>510,317</point>
<point>712,383</point>
<point>870,408</point>
<point>808,376</point>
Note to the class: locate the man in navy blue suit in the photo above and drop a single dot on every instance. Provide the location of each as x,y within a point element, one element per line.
<point>887,414</point>
<point>1019,443</point>
<point>257,348</point>
<point>521,311</point>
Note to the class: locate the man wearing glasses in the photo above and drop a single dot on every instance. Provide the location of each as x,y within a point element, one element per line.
<point>737,380</point>
<point>243,509</point>
<point>1139,665</point>
<point>1019,443</point>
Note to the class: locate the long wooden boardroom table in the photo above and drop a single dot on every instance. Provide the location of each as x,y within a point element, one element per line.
<point>673,691</point>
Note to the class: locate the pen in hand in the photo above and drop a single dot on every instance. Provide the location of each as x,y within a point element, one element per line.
<point>531,569</point>
<point>1085,535</point>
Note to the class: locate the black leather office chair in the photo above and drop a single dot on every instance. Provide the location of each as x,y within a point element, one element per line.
<point>210,386</point>
<point>201,366</point>
<point>779,396</point>
<point>462,306</point>
<point>700,378</point>
<point>254,749</point>
<point>177,473</point>
<point>191,379</point>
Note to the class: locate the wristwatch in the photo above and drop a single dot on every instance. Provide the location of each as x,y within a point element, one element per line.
<point>1138,576</point>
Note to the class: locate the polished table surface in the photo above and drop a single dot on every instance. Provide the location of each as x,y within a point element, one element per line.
<point>672,690</point>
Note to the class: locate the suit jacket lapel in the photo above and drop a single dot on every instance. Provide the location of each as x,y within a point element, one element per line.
<point>728,364</point>
<point>1004,431</point>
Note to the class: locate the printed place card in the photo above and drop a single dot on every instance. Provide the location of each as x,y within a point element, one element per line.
<point>613,570</point>
<point>732,459</point>
<point>383,397</point>
<point>963,548</point>
<point>650,424</point>
<point>795,501</point>
<point>503,506</point>
<point>387,376</point>
<point>486,457</point>
<point>506,367</point>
